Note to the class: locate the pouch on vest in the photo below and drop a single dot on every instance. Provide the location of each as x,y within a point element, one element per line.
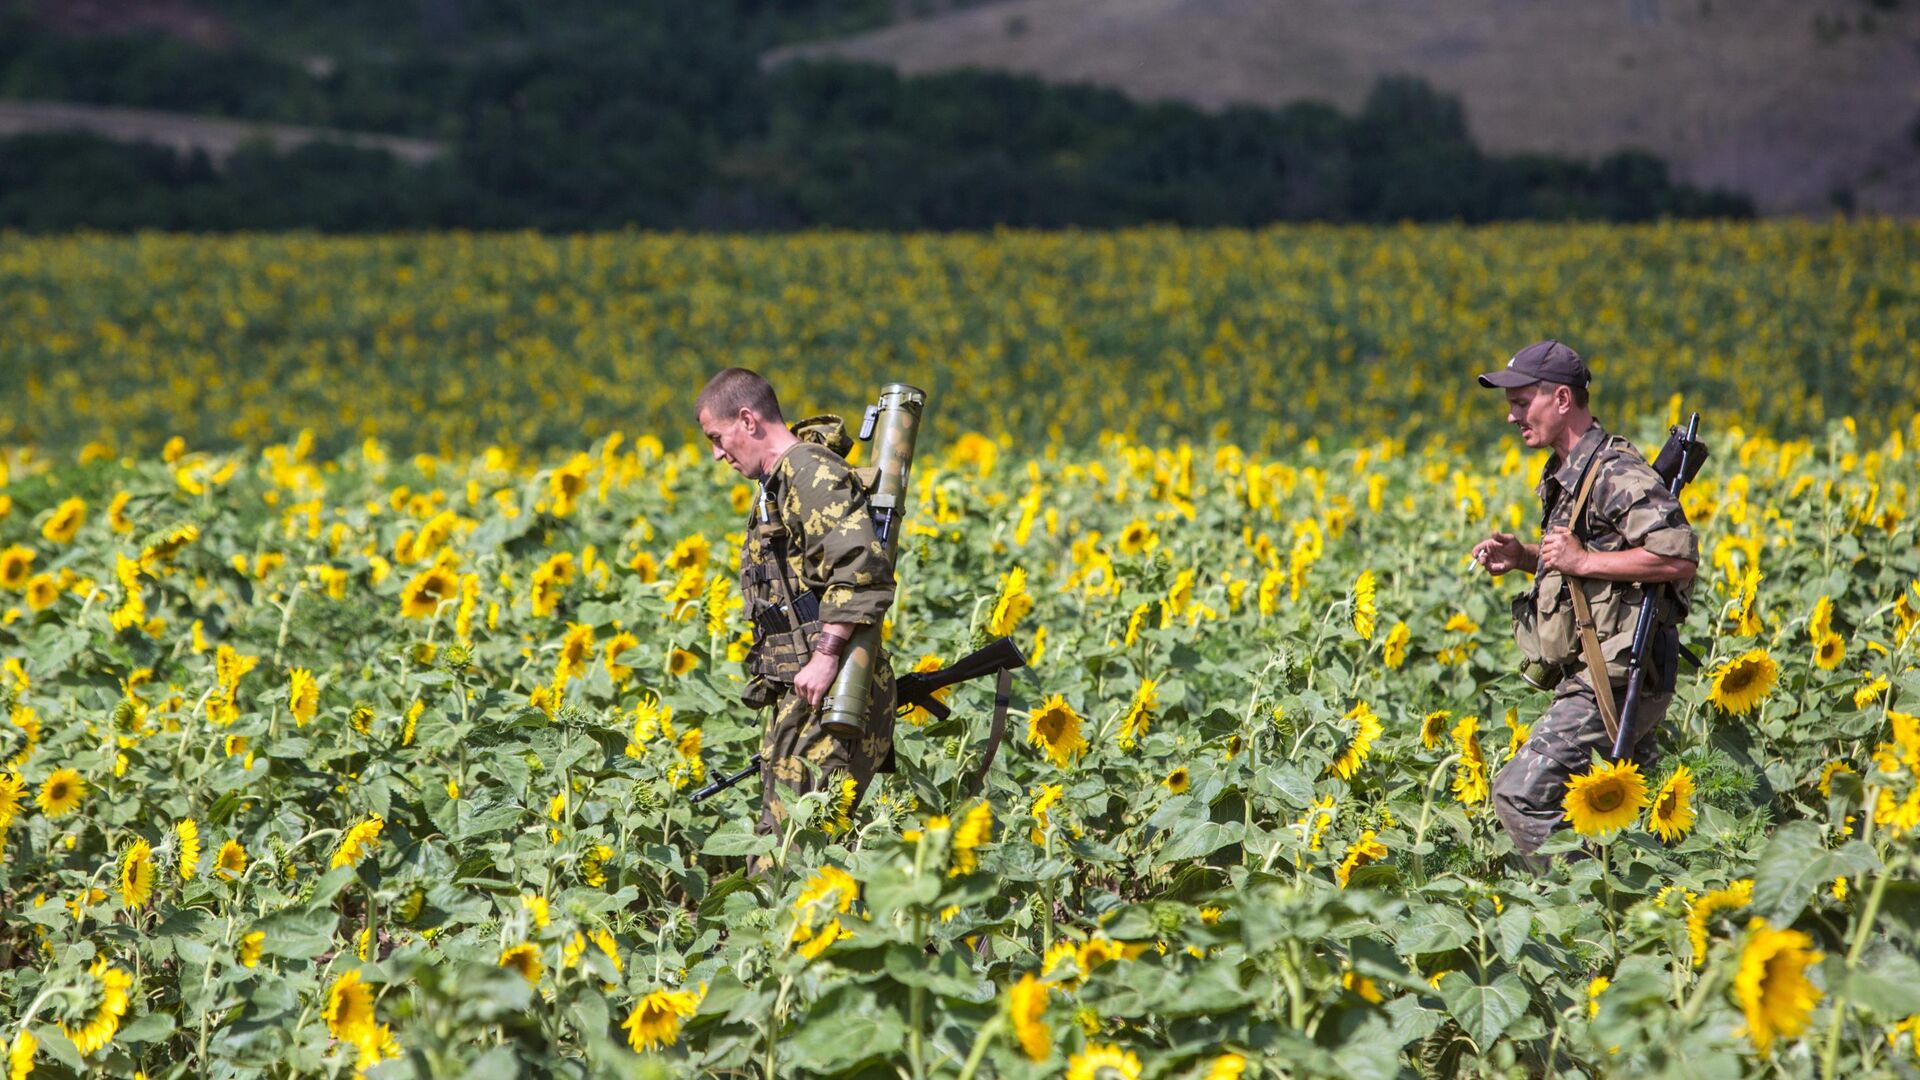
<point>1543,622</point>
<point>784,622</point>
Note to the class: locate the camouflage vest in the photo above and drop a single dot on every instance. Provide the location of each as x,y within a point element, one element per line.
<point>1543,615</point>
<point>784,612</point>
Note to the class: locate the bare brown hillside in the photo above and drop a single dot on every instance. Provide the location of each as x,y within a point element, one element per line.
<point>1789,101</point>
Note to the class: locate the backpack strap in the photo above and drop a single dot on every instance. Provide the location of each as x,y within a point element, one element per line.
<point>1583,619</point>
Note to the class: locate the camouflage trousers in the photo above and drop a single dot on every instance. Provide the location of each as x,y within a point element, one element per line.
<point>799,755</point>
<point>1529,792</point>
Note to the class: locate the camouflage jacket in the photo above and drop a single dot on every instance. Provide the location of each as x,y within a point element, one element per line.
<point>809,532</point>
<point>1628,508</point>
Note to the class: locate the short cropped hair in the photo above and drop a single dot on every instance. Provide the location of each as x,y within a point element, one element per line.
<point>735,388</point>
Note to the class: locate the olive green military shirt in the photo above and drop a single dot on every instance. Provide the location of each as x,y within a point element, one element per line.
<point>1628,508</point>
<point>833,550</point>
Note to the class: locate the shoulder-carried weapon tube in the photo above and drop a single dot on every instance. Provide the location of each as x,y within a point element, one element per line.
<point>894,424</point>
<point>1677,464</point>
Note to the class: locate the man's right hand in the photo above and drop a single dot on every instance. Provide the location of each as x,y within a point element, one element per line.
<point>1501,553</point>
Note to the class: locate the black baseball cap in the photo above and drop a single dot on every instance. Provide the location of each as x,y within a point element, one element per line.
<point>1542,361</point>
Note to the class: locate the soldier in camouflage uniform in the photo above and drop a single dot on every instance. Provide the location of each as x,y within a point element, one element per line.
<point>811,571</point>
<point>1632,536</point>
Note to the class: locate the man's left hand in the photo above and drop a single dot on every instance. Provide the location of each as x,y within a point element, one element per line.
<point>815,679</point>
<point>1561,550</point>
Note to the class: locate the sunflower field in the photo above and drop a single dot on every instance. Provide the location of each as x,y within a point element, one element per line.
<point>367,616</point>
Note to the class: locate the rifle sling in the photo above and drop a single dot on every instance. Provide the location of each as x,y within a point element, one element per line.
<point>1583,622</point>
<point>1002,700</point>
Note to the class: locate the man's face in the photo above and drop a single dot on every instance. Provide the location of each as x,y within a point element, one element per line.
<point>732,441</point>
<point>1539,411</point>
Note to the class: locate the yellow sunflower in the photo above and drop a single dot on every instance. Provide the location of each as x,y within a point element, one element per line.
<point>1364,611</point>
<point>1362,851</point>
<point>303,696</point>
<point>1672,813</point>
<point>525,959</point>
<point>1433,728</point>
<point>1011,604</point>
<point>975,828</point>
<point>250,947</point>
<point>110,984</point>
<point>655,1019</point>
<point>567,482</point>
<point>16,566</point>
<point>1772,985</point>
<point>1178,780</point>
<point>1470,773</point>
<point>62,792</point>
<point>616,647</point>
<point>1055,728</point>
<point>20,1054</point>
<point>1027,1007</point>
<point>593,865</point>
<point>1366,728</point>
<point>349,1008</point>
<point>1736,895</point>
<point>231,861</point>
<point>576,652</point>
<point>1605,798</point>
<point>680,662</point>
<point>1104,1063</point>
<point>421,597</point>
<point>66,521</point>
<point>1138,538</point>
<point>1139,713</point>
<point>12,790</point>
<point>1743,682</point>
<point>188,832</point>
<point>1394,650</point>
<point>42,592</point>
<point>358,842</point>
<point>1829,651</point>
<point>136,875</point>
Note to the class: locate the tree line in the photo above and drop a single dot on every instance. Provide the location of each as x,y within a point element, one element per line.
<point>665,119</point>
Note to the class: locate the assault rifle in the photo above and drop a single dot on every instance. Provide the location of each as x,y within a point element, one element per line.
<point>916,690</point>
<point>1678,462</point>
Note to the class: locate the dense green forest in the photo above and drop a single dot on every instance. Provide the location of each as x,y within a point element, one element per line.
<point>583,114</point>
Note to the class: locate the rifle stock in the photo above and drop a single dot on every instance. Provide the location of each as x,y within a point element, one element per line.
<point>918,687</point>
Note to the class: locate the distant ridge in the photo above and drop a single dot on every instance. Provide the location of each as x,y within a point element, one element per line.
<point>1806,105</point>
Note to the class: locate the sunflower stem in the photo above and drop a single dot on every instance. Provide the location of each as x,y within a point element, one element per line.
<point>1830,1058</point>
<point>980,1044</point>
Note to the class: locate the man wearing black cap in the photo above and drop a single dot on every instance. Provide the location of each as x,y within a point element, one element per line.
<point>1609,532</point>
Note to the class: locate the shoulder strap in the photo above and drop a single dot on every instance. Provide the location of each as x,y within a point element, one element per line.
<point>1583,618</point>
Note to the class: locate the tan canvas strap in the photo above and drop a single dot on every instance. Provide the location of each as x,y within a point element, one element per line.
<point>1583,623</point>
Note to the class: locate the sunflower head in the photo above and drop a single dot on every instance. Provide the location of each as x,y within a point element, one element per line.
<point>62,792</point>
<point>1055,728</point>
<point>1743,682</point>
<point>525,959</point>
<point>1605,798</point>
<point>349,1009</point>
<point>1178,780</point>
<point>655,1020</point>
<point>1771,984</point>
<point>1828,651</point>
<point>421,598</point>
<point>1672,813</point>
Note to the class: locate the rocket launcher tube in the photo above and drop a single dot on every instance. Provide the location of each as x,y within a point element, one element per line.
<point>895,423</point>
